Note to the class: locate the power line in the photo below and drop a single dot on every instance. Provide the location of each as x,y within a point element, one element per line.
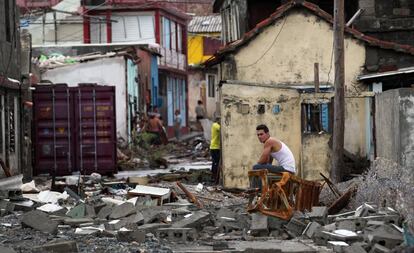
<point>270,47</point>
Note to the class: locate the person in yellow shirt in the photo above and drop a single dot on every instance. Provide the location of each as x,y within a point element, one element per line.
<point>215,149</point>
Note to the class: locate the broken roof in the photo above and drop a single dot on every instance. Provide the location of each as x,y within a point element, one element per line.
<point>205,24</point>
<point>314,9</point>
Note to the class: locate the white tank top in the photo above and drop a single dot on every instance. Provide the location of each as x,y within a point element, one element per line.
<point>285,158</point>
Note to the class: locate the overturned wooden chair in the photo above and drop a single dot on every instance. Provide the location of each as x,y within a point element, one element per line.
<point>282,193</point>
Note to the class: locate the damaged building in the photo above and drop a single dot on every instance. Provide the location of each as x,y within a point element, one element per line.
<point>268,76</point>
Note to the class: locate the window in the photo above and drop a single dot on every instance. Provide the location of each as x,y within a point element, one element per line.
<point>98,30</point>
<point>211,82</point>
<point>316,118</point>
<point>133,28</point>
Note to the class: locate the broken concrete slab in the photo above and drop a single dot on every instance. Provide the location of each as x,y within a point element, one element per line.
<point>90,211</point>
<point>295,227</point>
<point>51,208</point>
<point>131,236</point>
<point>157,192</point>
<point>6,250</point>
<point>319,214</point>
<point>77,212</point>
<point>153,227</point>
<point>365,210</point>
<point>75,222</point>
<point>90,230</point>
<point>105,212</point>
<point>311,229</point>
<point>122,210</point>
<point>39,221</point>
<point>196,219</point>
<point>57,247</point>
<point>259,225</point>
<point>179,213</point>
<point>386,236</point>
<point>346,224</point>
<point>115,224</point>
<point>25,206</point>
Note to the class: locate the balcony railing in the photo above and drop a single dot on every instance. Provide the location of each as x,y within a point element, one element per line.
<point>173,59</point>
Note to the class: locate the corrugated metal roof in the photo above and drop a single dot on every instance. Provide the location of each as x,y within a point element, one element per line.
<point>205,24</point>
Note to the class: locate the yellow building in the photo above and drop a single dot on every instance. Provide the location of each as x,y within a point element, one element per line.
<point>203,42</point>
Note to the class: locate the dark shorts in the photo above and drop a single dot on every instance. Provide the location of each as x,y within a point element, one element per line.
<point>255,182</point>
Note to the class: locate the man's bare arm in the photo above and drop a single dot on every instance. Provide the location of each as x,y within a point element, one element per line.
<point>264,158</point>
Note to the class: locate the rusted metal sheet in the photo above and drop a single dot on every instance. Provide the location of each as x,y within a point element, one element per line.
<point>74,129</point>
<point>282,193</point>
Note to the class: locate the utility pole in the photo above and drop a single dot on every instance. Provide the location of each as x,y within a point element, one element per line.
<point>339,100</point>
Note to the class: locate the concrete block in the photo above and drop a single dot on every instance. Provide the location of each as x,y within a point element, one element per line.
<point>115,224</point>
<point>177,234</point>
<point>57,247</point>
<point>122,210</point>
<point>220,245</point>
<point>76,222</point>
<point>319,214</point>
<point>311,229</point>
<point>259,225</point>
<point>105,212</point>
<point>295,227</point>
<point>39,221</point>
<point>131,236</point>
<point>379,249</point>
<point>386,236</point>
<point>179,213</point>
<point>355,249</point>
<point>346,224</point>
<point>196,220</point>
<point>388,219</point>
<point>341,235</point>
<point>134,220</point>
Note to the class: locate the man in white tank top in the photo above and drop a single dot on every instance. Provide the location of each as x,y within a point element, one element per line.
<point>274,149</point>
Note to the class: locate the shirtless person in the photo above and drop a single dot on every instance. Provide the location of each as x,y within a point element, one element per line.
<point>154,127</point>
<point>274,149</point>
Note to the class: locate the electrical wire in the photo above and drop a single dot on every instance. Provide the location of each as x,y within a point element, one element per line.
<point>270,47</point>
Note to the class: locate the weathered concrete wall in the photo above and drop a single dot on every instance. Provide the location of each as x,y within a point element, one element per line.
<point>197,85</point>
<point>355,126</point>
<point>395,125</point>
<point>291,57</point>
<point>406,130</point>
<point>241,148</point>
<point>315,156</point>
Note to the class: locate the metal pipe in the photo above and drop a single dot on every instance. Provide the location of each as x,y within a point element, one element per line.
<point>356,15</point>
<point>54,129</point>
<point>80,130</point>
<point>69,155</point>
<point>94,129</point>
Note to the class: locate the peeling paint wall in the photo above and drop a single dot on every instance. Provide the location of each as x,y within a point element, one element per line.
<point>241,148</point>
<point>291,58</point>
<point>315,156</point>
<point>395,126</point>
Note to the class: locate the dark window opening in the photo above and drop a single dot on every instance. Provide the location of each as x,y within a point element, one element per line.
<point>163,85</point>
<point>211,81</point>
<point>261,109</point>
<point>7,20</point>
<point>317,118</point>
